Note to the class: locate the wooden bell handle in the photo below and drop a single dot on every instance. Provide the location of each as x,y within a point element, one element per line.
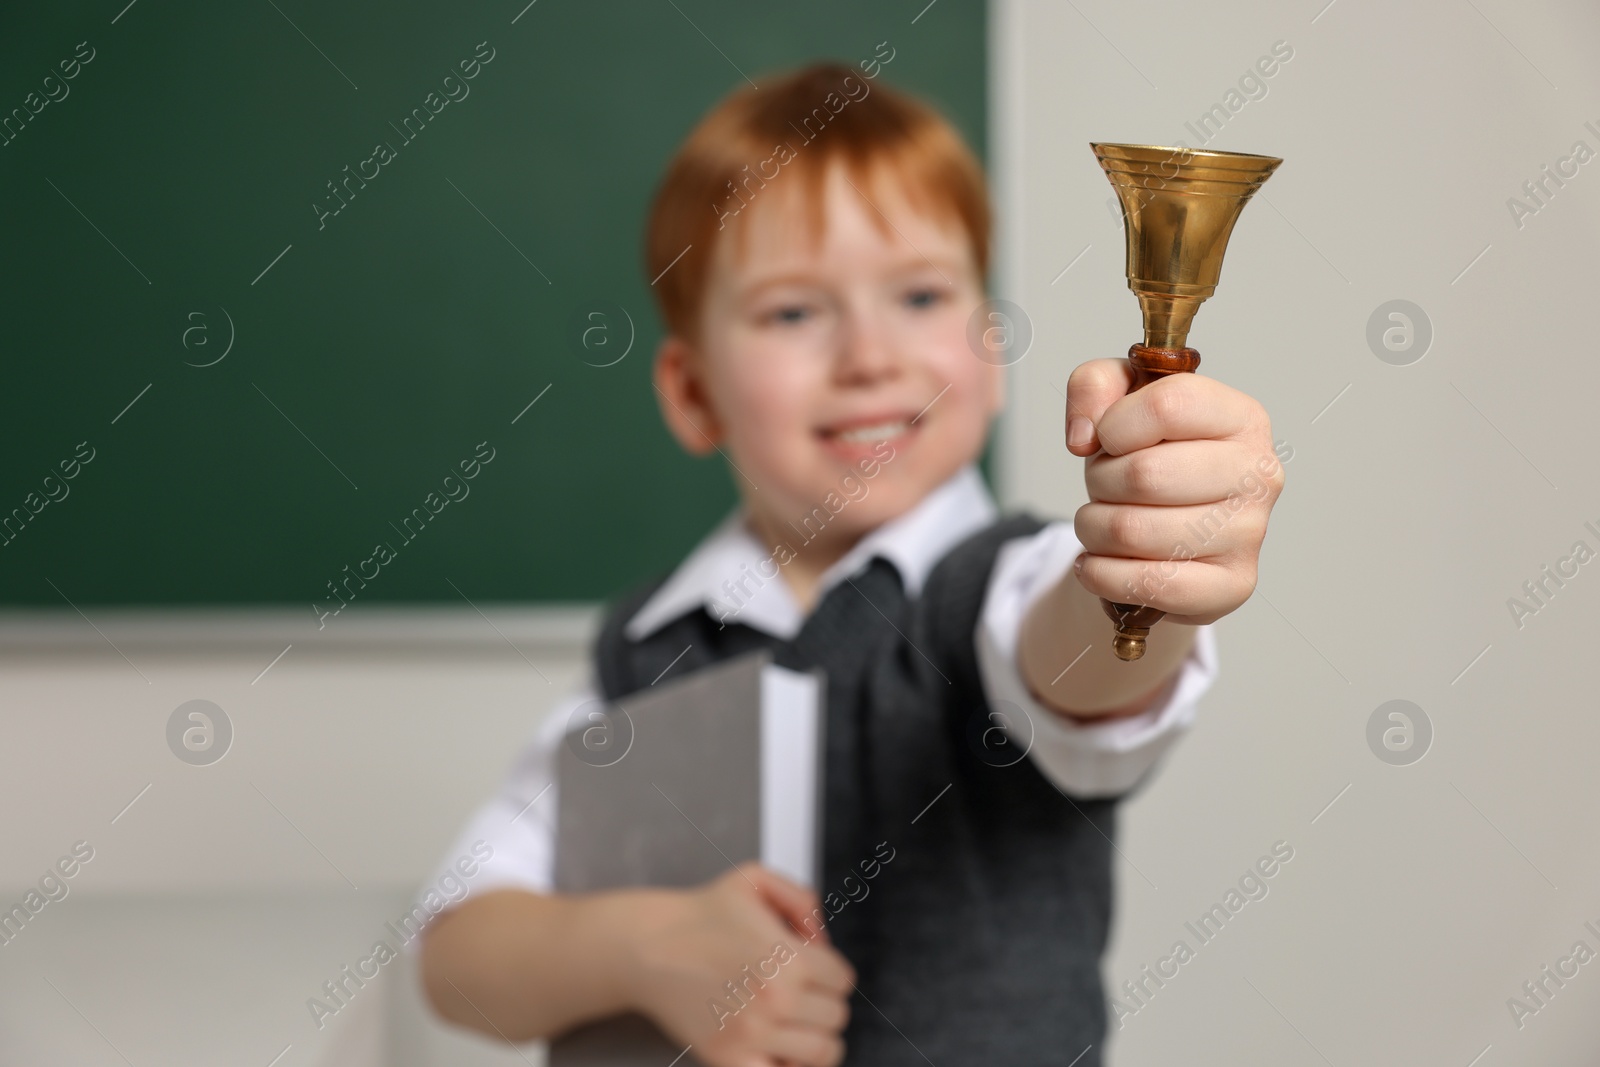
<point>1133,621</point>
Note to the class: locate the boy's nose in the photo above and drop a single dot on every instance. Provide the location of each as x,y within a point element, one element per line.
<point>866,351</point>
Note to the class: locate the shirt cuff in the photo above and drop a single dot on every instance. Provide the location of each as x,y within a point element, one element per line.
<point>1100,759</point>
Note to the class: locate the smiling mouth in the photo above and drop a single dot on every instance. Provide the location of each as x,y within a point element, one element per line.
<point>856,441</point>
<point>869,435</point>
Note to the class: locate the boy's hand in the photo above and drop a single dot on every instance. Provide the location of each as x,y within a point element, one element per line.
<point>1181,476</point>
<point>795,1006</point>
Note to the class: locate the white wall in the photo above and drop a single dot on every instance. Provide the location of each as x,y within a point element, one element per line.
<point>1415,506</point>
<point>219,902</point>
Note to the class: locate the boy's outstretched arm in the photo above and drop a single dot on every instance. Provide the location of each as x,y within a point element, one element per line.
<point>524,966</point>
<point>1181,475</point>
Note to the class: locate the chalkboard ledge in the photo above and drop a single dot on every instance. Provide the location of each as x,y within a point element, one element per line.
<point>486,629</point>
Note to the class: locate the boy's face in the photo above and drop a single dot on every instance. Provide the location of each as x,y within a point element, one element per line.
<point>817,357</point>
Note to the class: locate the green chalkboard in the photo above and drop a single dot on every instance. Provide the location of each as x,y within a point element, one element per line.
<point>250,391</point>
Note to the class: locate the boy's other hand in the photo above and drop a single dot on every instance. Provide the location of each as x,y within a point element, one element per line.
<point>759,931</point>
<point>1181,475</point>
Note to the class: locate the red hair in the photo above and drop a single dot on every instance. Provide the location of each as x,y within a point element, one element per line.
<point>801,123</point>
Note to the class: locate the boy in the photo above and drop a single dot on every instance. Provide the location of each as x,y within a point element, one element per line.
<point>817,338</point>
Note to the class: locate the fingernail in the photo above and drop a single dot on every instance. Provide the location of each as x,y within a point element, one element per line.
<point>1079,430</point>
<point>1077,564</point>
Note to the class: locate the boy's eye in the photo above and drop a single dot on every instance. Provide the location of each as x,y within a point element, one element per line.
<point>787,315</point>
<point>924,298</point>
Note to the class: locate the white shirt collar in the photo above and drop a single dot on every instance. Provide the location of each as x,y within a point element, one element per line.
<point>728,572</point>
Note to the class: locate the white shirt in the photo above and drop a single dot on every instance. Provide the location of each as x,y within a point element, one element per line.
<point>1098,759</point>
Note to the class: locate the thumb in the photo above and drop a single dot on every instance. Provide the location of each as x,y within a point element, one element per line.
<point>790,901</point>
<point>1093,387</point>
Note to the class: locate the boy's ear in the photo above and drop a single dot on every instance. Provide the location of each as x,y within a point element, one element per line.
<point>685,407</point>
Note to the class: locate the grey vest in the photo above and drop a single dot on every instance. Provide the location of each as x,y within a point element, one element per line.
<point>979,941</point>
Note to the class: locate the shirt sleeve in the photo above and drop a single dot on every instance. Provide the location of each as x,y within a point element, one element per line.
<point>510,840</point>
<point>1089,760</point>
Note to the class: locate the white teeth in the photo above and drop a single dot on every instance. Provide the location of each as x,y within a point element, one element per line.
<point>869,434</point>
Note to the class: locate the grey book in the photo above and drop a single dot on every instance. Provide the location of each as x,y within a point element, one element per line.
<point>674,785</point>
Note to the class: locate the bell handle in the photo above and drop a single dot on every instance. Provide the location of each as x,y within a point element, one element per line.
<point>1133,621</point>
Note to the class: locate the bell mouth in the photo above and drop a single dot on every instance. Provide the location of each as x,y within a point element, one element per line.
<point>1163,151</point>
<point>1192,170</point>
